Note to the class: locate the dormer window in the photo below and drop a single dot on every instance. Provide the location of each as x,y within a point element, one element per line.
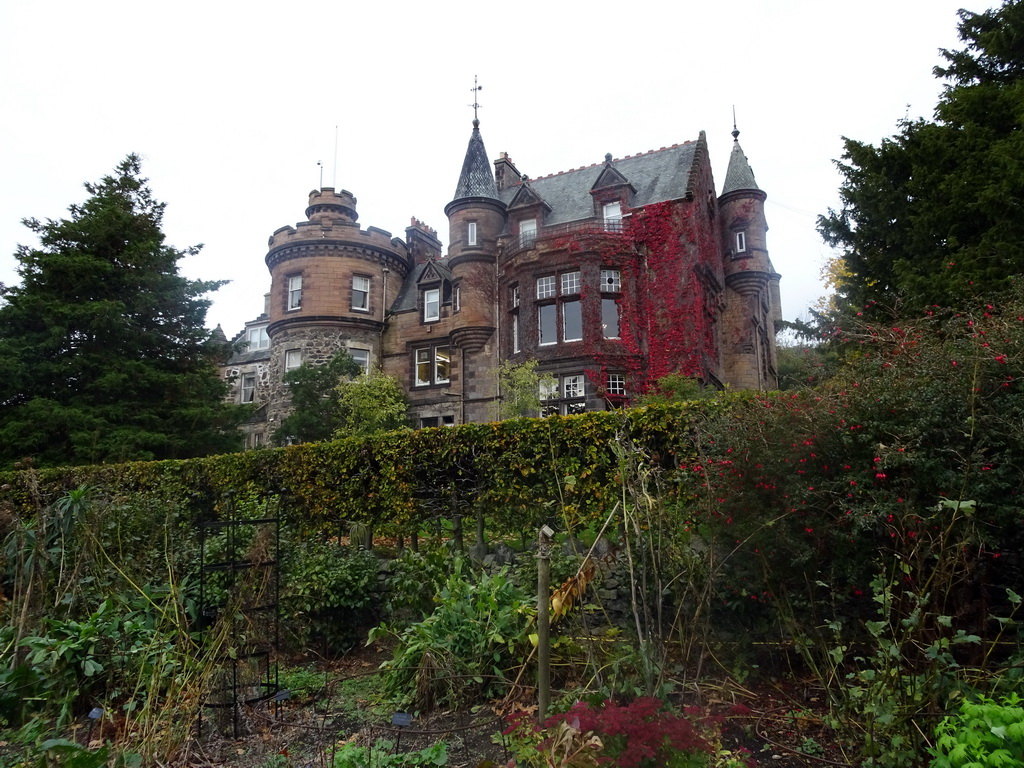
<point>471,233</point>
<point>257,338</point>
<point>527,232</point>
<point>613,216</point>
<point>431,305</point>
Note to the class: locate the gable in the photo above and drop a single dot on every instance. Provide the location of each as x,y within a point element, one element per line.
<point>526,197</point>
<point>609,178</point>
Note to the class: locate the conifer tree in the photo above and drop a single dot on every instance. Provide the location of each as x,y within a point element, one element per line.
<point>104,354</point>
<point>932,215</point>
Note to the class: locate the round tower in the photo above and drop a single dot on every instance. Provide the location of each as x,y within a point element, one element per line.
<point>331,283</point>
<point>476,216</point>
<point>743,226</point>
<point>748,336</point>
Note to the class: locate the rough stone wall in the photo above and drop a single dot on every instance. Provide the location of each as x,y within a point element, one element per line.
<point>318,344</point>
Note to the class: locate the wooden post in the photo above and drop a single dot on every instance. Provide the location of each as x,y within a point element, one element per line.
<point>456,522</point>
<point>543,622</point>
<point>481,532</point>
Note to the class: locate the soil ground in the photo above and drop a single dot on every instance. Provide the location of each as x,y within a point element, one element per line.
<point>776,724</point>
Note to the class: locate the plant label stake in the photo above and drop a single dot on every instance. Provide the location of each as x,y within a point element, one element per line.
<point>400,720</point>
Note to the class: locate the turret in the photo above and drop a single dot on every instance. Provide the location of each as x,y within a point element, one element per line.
<point>476,216</point>
<point>331,284</point>
<point>743,226</point>
<point>748,328</point>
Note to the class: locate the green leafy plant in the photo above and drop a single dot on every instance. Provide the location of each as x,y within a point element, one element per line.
<point>301,682</point>
<point>985,733</point>
<point>477,629</point>
<point>382,756</point>
<point>413,580</point>
<point>329,590</point>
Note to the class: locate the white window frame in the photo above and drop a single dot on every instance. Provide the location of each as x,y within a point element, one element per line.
<point>570,283</point>
<point>546,287</point>
<point>578,306</point>
<point>262,339</point>
<point>294,292</point>
<point>360,289</point>
<point>471,233</point>
<point>430,358</point>
<point>361,357</point>
<point>574,386</point>
<point>292,359</point>
<point>618,320</point>
<point>611,281</point>
<point>563,394</point>
<point>741,241</point>
<point>616,384</point>
<point>613,216</point>
<point>437,360</point>
<point>248,388</point>
<point>514,299</point>
<point>431,305</point>
<point>540,325</point>
<point>422,357</point>
<point>527,232</point>
<point>515,333</point>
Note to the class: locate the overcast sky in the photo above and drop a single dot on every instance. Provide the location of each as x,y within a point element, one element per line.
<point>231,106</point>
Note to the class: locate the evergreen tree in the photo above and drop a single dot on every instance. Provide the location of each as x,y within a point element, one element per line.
<point>104,354</point>
<point>933,214</point>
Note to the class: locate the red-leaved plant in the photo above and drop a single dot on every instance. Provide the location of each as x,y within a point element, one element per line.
<point>641,734</point>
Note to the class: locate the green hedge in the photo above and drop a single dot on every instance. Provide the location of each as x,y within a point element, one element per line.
<point>510,469</point>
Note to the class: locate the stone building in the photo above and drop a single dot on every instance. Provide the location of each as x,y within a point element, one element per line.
<point>610,276</point>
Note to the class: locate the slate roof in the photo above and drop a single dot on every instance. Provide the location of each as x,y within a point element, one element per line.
<point>408,297</point>
<point>476,179</point>
<point>658,175</point>
<point>248,356</point>
<point>739,176</point>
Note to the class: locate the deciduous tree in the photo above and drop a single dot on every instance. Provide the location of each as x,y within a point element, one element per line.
<point>336,399</point>
<point>315,400</point>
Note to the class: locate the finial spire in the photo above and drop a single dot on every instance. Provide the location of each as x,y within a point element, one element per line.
<point>735,130</point>
<point>475,105</point>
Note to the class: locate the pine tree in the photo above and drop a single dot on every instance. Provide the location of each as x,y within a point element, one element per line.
<point>104,354</point>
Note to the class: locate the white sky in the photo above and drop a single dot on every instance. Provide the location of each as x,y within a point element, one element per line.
<point>232,104</point>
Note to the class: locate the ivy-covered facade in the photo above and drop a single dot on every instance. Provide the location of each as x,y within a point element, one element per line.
<point>610,276</point>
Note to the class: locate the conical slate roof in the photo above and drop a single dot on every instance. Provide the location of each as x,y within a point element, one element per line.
<point>477,179</point>
<point>739,176</point>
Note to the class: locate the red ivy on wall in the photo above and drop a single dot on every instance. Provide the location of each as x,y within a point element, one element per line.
<point>666,310</point>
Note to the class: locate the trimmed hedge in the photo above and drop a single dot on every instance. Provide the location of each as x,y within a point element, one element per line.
<point>512,469</point>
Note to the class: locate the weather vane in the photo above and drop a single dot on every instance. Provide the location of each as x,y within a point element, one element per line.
<point>475,105</point>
